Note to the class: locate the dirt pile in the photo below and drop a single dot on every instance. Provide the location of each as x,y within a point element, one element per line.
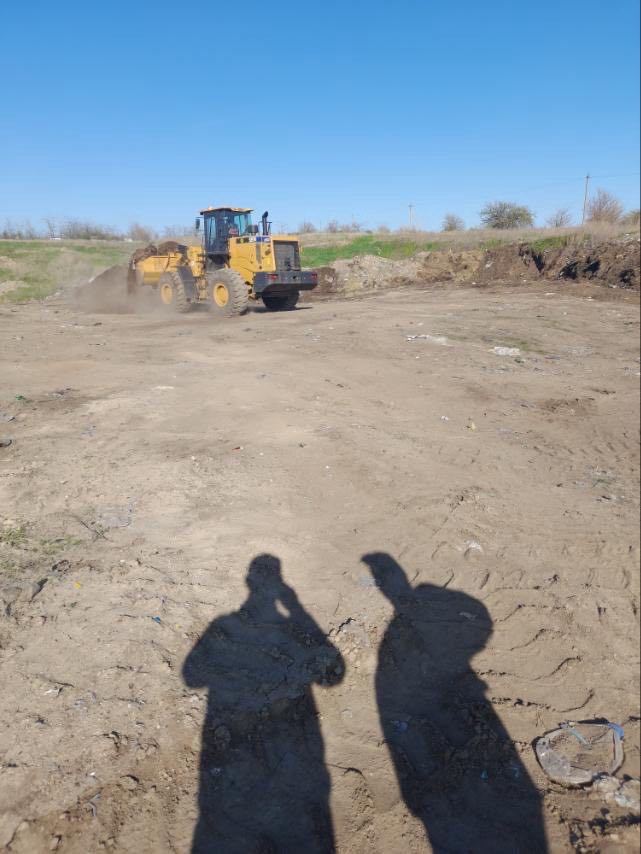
<point>612,263</point>
<point>615,264</point>
<point>105,292</point>
<point>369,272</point>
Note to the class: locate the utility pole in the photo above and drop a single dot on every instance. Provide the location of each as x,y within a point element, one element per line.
<point>585,198</point>
<point>411,207</point>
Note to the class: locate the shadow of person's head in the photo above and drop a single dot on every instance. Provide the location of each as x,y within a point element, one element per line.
<point>448,620</point>
<point>264,575</point>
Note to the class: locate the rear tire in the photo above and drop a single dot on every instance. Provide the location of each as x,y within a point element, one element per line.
<point>171,293</point>
<point>227,292</point>
<point>281,302</point>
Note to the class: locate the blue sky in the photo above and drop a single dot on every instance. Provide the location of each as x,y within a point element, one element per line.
<point>138,111</point>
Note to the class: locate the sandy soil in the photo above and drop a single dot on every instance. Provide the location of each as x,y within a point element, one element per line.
<point>372,557</point>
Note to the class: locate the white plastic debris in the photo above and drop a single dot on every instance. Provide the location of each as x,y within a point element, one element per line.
<point>505,351</point>
<point>578,753</point>
<point>441,340</point>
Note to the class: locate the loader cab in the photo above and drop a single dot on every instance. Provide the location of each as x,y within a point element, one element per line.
<point>222,224</point>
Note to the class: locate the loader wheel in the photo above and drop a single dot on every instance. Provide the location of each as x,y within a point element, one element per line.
<point>172,293</point>
<point>279,302</point>
<point>228,294</point>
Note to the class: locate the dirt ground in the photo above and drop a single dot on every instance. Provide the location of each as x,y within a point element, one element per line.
<point>317,574</point>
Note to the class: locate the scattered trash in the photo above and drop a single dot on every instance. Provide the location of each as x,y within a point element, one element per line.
<point>618,729</point>
<point>401,726</point>
<point>485,775</point>
<point>57,690</point>
<point>472,548</point>
<point>4,443</point>
<point>444,418</point>
<point>238,448</point>
<point>4,416</point>
<point>113,517</point>
<point>467,615</point>
<point>20,397</point>
<point>506,351</point>
<point>157,620</point>
<point>471,425</point>
<point>625,794</point>
<point>60,567</point>
<point>77,585</point>
<point>514,770</point>
<point>92,804</point>
<point>441,340</point>
<point>577,753</point>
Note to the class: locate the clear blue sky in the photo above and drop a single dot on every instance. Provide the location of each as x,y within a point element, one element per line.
<point>137,111</point>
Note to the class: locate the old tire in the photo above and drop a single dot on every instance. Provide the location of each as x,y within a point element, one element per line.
<point>227,292</point>
<point>171,293</point>
<point>280,302</point>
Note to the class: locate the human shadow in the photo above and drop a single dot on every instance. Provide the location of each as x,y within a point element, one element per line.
<point>457,769</point>
<point>264,787</point>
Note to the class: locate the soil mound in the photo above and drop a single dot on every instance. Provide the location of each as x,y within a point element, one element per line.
<point>614,264</point>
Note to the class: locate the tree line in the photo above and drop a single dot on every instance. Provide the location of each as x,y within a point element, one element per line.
<point>603,206</point>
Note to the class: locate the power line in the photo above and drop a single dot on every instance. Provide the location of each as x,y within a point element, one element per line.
<point>585,197</point>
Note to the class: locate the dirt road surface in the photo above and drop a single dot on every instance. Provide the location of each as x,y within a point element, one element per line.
<point>449,568</point>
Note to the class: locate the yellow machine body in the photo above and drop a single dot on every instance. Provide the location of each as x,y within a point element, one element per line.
<point>228,269</point>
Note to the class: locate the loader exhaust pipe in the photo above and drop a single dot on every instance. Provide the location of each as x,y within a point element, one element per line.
<point>267,226</point>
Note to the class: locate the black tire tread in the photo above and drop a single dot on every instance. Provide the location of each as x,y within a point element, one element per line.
<point>180,303</point>
<point>238,291</point>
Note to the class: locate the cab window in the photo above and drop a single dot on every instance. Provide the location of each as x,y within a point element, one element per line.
<point>237,224</point>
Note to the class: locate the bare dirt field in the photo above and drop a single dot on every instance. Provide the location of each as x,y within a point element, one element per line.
<point>315,581</point>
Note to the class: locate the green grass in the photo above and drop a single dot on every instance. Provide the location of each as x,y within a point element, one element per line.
<point>60,544</point>
<point>14,537</point>
<point>9,567</point>
<point>44,266</point>
<point>367,244</point>
<point>545,243</point>
<point>493,243</point>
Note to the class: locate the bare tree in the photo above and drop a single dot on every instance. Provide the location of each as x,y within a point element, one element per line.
<point>333,226</point>
<point>506,215</point>
<point>632,219</point>
<point>50,224</point>
<point>306,228</point>
<point>383,229</point>
<point>452,222</point>
<point>78,229</point>
<point>604,207</point>
<point>561,218</point>
<point>19,231</point>
<point>140,232</point>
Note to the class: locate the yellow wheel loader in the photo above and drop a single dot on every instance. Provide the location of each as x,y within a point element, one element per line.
<point>237,262</point>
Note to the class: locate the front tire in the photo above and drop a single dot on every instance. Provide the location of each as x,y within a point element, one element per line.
<point>171,292</point>
<point>228,294</point>
<point>280,302</point>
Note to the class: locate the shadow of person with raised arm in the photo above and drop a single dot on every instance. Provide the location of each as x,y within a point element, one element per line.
<point>264,787</point>
<point>457,768</point>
